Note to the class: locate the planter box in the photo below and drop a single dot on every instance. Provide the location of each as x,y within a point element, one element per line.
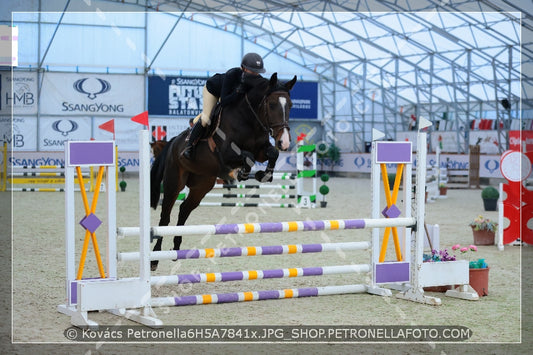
<point>444,273</point>
<point>483,237</point>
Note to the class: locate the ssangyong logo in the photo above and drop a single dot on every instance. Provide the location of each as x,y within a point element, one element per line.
<point>64,126</point>
<point>93,87</point>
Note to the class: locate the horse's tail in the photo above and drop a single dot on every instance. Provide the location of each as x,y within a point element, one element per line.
<point>156,175</point>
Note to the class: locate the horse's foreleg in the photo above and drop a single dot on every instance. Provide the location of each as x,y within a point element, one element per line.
<point>195,196</point>
<point>248,162</point>
<point>272,155</point>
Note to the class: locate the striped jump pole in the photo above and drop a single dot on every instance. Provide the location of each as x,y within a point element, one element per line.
<point>247,251</point>
<point>182,196</point>
<point>258,274</point>
<point>256,295</point>
<point>247,204</point>
<point>252,186</point>
<point>270,227</point>
<point>280,176</point>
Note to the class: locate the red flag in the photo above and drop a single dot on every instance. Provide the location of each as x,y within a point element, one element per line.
<point>108,126</point>
<point>141,118</point>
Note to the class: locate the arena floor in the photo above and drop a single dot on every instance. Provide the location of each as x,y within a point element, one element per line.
<point>39,268</point>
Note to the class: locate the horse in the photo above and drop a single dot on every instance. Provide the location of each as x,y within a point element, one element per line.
<point>237,141</point>
<point>157,147</point>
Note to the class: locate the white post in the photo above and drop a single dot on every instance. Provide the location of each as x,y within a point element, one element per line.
<point>111,193</point>
<point>70,247</point>
<point>500,219</point>
<point>144,205</point>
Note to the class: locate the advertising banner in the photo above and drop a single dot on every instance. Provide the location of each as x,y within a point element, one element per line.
<point>520,140</point>
<point>304,97</point>
<point>92,94</point>
<point>182,97</point>
<point>18,91</point>
<point>175,96</point>
<point>55,131</point>
<point>20,133</point>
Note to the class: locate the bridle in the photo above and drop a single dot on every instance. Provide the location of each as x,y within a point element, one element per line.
<point>269,128</point>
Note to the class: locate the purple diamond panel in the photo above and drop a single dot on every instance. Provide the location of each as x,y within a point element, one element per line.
<point>91,223</point>
<point>391,212</point>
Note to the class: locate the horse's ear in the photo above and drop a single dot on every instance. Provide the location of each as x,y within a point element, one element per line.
<point>273,80</point>
<point>290,84</point>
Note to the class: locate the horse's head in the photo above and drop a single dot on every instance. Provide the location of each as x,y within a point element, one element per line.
<point>277,106</point>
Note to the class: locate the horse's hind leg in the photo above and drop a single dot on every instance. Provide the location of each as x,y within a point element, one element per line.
<point>198,188</point>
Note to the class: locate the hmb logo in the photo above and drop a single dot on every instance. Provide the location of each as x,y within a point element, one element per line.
<point>92,88</point>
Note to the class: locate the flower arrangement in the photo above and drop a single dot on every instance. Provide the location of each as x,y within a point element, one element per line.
<point>442,185</point>
<point>481,223</point>
<point>443,255</point>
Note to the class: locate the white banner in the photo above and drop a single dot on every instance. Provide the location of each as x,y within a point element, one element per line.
<point>55,131</point>
<point>92,94</point>
<point>18,91</point>
<point>20,133</point>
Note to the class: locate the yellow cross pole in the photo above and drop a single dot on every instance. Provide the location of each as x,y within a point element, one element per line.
<point>87,232</point>
<point>390,201</point>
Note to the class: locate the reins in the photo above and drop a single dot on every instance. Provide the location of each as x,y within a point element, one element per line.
<point>270,128</point>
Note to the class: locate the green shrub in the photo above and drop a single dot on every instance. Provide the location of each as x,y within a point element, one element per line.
<point>490,193</point>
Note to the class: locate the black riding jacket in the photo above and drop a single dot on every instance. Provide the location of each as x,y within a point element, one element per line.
<point>230,86</point>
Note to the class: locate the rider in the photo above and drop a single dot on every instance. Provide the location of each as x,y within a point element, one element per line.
<point>227,88</point>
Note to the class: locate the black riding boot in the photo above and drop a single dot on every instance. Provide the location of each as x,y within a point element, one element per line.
<point>197,132</point>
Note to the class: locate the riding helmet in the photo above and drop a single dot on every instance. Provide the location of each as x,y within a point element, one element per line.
<point>253,62</point>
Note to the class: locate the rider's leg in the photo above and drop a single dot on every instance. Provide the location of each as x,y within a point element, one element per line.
<point>199,127</point>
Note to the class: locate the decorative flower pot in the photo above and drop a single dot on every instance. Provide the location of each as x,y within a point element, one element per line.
<point>479,280</point>
<point>323,204</point>
<point>490,204</point>
<point>443,191</point>
<point>483,237</point>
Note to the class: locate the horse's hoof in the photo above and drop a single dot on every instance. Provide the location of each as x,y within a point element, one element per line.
<point>263,176</point>
<point>242,176</point>
<point>153,265</point>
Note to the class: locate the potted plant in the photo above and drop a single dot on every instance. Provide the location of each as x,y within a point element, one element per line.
<point>477,269</point>
<point>324,190</point>
<point>123,183</point>
<point>334,154</point>
<point>322,154</point>
<point>443,189</point>
<point>483,230</point>
<point>490,197</point>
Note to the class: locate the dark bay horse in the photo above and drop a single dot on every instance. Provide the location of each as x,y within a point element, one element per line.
<point>241,138</point>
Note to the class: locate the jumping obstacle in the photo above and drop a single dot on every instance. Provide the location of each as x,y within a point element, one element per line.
<point>306,165</point>
<point>38,178</point>
<point>406,273</point>
<point>515,199</point>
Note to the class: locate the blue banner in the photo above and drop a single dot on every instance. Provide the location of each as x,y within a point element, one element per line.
<point>304,97</point>
<point>175,96</point>
<point>182,97</point>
